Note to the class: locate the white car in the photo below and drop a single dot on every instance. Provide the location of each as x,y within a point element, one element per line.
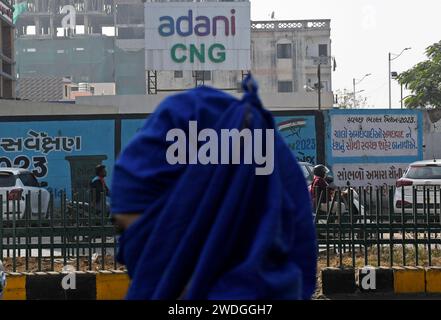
<point>15,184</point>
<point>424,177</point>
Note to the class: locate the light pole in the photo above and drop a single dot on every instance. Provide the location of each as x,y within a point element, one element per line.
<point>319,87</point>
<point>354,83</point>
<point>401,95</point>
<point>391,58</point>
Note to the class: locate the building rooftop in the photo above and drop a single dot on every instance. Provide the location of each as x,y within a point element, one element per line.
<point>288,25</point>
<point>40,88</point>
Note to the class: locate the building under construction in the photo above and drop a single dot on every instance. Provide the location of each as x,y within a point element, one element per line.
<point>87,50</point>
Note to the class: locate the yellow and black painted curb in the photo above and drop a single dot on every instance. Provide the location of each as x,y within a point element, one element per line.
<point>396,280</point>
<point>88,285</point>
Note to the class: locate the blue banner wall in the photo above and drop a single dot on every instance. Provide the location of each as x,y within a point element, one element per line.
<point>372,147</point>
<point>129,127</point>
<point>299,133</point>
<point>62,153</point>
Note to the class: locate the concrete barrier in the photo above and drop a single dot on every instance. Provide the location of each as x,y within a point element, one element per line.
<point>409,280</point>
<point>103,285</point>
<point>383,283</point>
<point>396,280</point>
<point>433,280</point>
<point>338,280</point>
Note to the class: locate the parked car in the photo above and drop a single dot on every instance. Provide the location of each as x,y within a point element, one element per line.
<point>15,184</point>
<point>421,176</point>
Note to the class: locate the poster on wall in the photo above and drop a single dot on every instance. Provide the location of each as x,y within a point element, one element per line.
<point>364,175</point>
<point>373,147</point>
<point>300,135</point>
<point>197,36</point>
<point>62,153</point>
<point>374,135</point>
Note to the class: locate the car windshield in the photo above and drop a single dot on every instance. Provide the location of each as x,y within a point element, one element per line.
<point>28,180</point>
<point>7,179</point>
<point>424,172</point>
<point>305,171</point>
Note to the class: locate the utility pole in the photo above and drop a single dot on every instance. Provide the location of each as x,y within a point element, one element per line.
<point>390,80</point>
<point>319,88</point>
<point>402,96</point>
<point>354,83</point>
<point>390,58</point>
<point>354,104</point>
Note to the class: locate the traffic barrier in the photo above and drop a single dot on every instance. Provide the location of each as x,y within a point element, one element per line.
<point>433,280</point>
<point>111,285</point>
<point>15,286</point>
<point>80,285</point>
<point>395,280</point>
<point>338,280</point>
<point>383,280</point>
<point>409,280</point>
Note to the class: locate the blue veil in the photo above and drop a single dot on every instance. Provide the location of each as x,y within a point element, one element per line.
<point>213,231</point>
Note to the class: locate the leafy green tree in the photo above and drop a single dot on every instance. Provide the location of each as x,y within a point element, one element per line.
<point>424,80</point>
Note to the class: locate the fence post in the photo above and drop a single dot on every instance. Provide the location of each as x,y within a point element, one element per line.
<point>391,226</point>
<point>1,228</point>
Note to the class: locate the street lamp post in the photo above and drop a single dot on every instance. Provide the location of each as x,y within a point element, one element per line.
<point>401,96</point>
<point>354,83</point>
<point>390,59</point>
<point>353,102</point>
<point>319,88</point>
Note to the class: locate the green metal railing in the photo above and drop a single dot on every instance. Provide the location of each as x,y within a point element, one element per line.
<point>75,231</point>
<point>376,229</point>
<point>356,227</point>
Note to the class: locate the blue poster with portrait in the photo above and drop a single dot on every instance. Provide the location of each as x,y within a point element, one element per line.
<point>299,133</point>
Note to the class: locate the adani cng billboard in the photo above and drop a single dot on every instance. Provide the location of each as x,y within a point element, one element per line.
<point>197,36</point>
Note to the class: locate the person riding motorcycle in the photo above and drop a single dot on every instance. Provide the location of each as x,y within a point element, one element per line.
<point>321,192</point>
<point>319,185</point>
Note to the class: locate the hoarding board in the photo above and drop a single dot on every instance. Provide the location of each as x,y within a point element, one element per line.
<point>372,147</point>
<point>62,153</point>
<point>197,36</point>
<point>299,133</point>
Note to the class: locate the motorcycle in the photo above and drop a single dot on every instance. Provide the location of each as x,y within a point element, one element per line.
<point>80,213</point>
<point>345,207</point>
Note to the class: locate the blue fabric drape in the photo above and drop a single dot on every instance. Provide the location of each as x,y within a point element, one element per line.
<point>213,231</point>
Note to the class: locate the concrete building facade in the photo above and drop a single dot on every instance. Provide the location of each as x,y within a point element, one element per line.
<point>7,71</point>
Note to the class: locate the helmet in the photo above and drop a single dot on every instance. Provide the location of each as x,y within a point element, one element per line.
<point>320,171</point>
<point>2,279</point>
<point>99,168</point>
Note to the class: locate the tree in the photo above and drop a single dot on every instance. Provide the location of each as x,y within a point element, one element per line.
<point>345,99</point>
<point>424,80</point>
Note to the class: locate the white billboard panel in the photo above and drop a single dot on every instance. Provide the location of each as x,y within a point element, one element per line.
<point>197,36</point>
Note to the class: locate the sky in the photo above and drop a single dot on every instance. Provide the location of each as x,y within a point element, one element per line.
<point>363,32</point>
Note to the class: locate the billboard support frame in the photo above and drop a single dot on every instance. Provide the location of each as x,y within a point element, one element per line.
<point>152,83</point>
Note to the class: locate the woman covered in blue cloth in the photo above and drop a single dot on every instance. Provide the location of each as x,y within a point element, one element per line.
<point>194,230</point>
